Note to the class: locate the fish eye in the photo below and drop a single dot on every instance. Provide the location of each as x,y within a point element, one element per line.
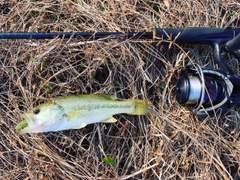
<point>36,111</point>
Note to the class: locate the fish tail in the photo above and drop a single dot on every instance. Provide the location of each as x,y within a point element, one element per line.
<point>140,107</point>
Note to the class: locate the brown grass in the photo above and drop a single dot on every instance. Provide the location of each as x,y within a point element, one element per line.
<point>171,143</point>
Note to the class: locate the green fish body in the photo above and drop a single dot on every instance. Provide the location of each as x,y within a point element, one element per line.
<point>77,111</point>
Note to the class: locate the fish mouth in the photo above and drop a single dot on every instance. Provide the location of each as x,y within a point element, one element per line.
<point>21,125</point>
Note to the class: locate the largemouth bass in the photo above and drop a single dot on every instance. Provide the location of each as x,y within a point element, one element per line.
<point>77,111</point>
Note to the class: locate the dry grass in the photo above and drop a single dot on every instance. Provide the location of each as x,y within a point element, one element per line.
<point>171,143</point>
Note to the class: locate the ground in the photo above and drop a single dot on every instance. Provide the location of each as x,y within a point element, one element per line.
<point>169,143</point>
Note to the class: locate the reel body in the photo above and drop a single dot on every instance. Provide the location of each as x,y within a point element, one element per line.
<point>204,90</point>
<point>209,90</point>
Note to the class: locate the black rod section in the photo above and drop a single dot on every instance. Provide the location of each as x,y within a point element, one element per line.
<point>84,35</point>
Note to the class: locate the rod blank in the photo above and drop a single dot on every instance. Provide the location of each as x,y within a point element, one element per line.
<point>84,35</point>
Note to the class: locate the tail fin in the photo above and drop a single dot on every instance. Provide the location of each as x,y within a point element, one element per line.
<point>140,107</point>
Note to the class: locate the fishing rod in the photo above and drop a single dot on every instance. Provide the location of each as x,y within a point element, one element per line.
<point>204,90</point>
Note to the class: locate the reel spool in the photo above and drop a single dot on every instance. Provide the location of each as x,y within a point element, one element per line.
<point>204,90</point>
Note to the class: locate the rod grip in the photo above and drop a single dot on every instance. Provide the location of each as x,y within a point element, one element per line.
<point>201,35</point>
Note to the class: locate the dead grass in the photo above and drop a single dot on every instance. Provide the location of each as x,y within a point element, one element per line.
<point>171,143</point>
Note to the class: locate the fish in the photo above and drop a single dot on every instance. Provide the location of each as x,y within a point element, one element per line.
<point>77,111</point>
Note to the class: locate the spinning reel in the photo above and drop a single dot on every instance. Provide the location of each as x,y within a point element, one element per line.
<point>204,90</point>
<point>208,90</point>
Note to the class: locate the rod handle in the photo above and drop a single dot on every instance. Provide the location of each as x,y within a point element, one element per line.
<point>208,35</point>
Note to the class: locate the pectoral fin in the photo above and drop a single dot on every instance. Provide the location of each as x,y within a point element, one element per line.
<point>79,126</point>
<point>109,120</point>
